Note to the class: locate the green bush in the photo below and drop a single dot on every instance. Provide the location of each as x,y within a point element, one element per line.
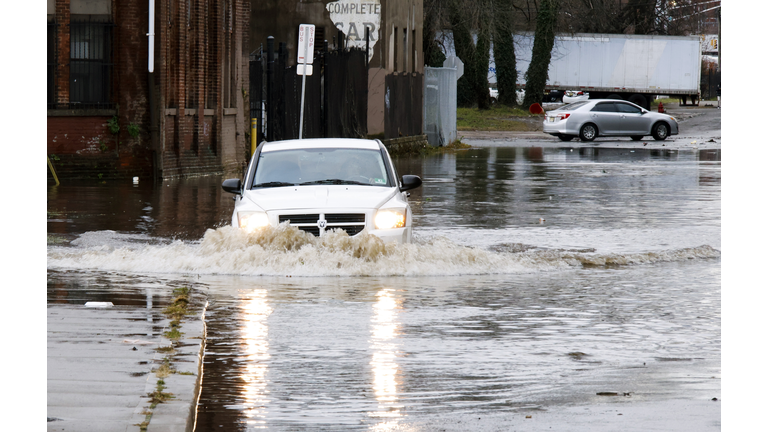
<point>133,130</point>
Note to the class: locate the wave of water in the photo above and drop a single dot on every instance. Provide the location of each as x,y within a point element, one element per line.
<point>287,251</point>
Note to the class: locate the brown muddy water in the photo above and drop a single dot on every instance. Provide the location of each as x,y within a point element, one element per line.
<point>538,278</point>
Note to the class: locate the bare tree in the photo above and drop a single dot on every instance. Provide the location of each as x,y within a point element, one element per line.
<point>434,21</point>
<point>591,16</point>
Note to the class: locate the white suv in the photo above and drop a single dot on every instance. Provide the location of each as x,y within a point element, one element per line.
<point>319,185</point>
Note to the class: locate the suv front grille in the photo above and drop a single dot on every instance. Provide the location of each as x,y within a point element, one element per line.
<point>300,218</point>
<point>351,223</point>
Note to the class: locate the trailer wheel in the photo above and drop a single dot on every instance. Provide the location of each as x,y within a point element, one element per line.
<point>660,131</point>
<point>588,132</point>
<point>638,100</point>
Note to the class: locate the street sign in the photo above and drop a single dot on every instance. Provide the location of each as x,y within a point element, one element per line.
<point>300,69</point>
<point>454,62</point>
<point>304,58</point>
<point>306,46</point>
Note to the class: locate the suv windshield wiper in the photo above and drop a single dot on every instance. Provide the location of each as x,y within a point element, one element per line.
<point>273,184</point>
<point>334,181</point>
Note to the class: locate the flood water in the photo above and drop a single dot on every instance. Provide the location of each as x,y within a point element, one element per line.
<point>538,278</point>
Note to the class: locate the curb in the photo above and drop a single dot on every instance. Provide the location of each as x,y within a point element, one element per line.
<point>178,414</point>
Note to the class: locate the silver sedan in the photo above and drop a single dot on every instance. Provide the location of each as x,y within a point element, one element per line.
<point>590,119</point>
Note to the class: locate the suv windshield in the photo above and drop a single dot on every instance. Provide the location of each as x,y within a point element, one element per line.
<point>320,166</point>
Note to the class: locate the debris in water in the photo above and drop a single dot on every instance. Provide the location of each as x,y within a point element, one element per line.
<point>98,304</point>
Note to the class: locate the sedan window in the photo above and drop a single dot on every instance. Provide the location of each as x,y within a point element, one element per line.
<point>572,106</point>
<point>627,108</point>
<point>604,107</point>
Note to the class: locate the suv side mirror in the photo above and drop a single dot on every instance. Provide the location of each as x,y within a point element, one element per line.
<point>232,186</point>
<point>409,182</point>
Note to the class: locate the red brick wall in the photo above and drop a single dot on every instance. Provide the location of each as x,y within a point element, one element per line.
<point>188,79</point>
<point>62,69</point>
<point>131,77</point>
<point>79,135</point>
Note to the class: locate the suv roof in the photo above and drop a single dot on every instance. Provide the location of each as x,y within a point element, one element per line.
<point>321,143</point>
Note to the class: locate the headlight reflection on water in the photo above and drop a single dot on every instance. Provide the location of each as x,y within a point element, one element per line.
<point>384,331</point>
<point>255,335</point>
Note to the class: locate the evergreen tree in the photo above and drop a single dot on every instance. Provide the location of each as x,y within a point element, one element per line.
<point>504,52</point>
<point>544,40</point>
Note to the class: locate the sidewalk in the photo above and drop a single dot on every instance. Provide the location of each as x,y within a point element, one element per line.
<point>103,363</point>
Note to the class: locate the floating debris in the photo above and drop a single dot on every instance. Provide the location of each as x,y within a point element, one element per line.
<point>99,304</point>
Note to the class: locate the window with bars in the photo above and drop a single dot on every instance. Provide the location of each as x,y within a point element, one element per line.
<point>52,64</point>
<point>90,62</point>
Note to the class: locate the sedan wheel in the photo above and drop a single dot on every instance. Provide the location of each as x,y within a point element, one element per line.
<point>588,132</point>
<point>660,131</point>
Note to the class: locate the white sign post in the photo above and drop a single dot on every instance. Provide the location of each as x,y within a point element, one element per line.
<point>306,50</point>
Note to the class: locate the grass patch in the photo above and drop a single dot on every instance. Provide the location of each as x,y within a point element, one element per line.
<point>173,333</point>
<point>166,349</point>
<point>156,397</point>
<point>498,118</point>
<point>164,370</point>
<point>175,312</point>
<point>159,396</point>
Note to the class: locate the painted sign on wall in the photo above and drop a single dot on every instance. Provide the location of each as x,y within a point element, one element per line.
<point>353,16</point>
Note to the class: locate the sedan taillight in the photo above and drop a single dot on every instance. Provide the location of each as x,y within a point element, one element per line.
<point>562,116</point>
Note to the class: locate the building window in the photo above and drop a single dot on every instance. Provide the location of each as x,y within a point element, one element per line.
<point>413,46</point>
<point>396,51</point>
<point>90,62</point>
<point>405,50</point>
<point>52,63</point>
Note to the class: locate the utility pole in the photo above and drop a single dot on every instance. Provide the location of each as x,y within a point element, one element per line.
<point>719,39</point>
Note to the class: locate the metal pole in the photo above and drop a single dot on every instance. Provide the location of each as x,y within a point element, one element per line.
<point>53,171</point>
<point>367,44</point>
<point>303,85</point>
<point>270,96</point>
<point>252,91</point>
<point>324,81</point>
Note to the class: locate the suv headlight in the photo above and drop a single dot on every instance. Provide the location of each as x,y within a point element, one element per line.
<point>390,218</point>
<point>251,220</point>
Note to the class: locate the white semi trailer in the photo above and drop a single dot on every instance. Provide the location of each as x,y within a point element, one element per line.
<point>615,66</point>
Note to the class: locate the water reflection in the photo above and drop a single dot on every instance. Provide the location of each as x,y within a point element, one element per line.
<point>385,329</point>
<point>255,335</point>
<point>588,187</point>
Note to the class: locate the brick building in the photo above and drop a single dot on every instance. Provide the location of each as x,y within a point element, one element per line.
<point>108,116</point>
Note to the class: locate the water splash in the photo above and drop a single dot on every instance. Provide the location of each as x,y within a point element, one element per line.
<point>287,251</point>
